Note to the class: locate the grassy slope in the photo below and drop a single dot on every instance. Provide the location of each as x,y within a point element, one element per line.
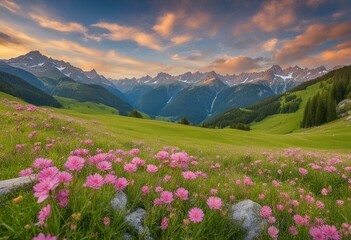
<point>330,136</point>
<point>86,107</point>
<point>289,122</point>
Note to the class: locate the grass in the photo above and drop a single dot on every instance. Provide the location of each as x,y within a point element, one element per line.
<point>259,155</point>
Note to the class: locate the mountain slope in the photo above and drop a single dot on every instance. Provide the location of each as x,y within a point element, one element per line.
<point>240,96</point>
<point>267,115</point>
<point>43,66</point>
<point>18,87</point>
<point>26,76</point>
<point>68,88</point>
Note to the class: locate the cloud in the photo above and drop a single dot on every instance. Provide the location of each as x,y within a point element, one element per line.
<point>314,3</point>
<point>275,14</point>
<point>313,37</point>
<point>230,64</point>
<point>189,56</point>
<point>165,24</point>
<point>181,39</point>
<point>269,45</point>
<point>46,22</point>
<point>10,5</point>
<point>120,33</point>
<point>59,26</point>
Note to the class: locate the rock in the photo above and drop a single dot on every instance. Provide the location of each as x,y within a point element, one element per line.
<point>11,184</point>
<point>127,236</point>
<point>343,108</point>
<point>348,119</point>
<point>119,202</point>
<point>136,220</point>
<point>247,214</point>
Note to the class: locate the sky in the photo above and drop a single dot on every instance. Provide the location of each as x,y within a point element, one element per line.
<point>136,38</point>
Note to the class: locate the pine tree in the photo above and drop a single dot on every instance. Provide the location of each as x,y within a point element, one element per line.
<point>331,108</point>
<point>184,121</point>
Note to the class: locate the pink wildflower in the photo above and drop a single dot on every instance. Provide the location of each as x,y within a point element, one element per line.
<point>164,223</point>
<point>44,214</point>
<point>182,193</point>
<point>167,197</point>
<point>42,163</point>
<point>49,172</point>
<point>189,175</point>
<point>121,183</point>
<point>95,181</point>
<point>110,179</point>
<point>130,167</point>
<point>74,163</point>
<point>25,172</point>
<point>266,212</point>
<point>104,165</point>
<point>196,215</point>
<point>151,169</point>
<point>214,203</point>
<point>145,190</point>
<point>303,171</point>
<point>273,232</point>
<point>64,177</point>
<point>42,236</point>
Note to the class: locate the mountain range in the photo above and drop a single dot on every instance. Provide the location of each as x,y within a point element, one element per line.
<point>196,96</point>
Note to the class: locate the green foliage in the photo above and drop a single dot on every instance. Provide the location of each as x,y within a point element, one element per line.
<point>321,108</point>
<point>17,87</point>
<point>240,126</point>
<point>135,113</point>
<point>184,121</point>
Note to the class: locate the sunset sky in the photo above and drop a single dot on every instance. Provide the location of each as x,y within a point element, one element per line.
<point>135,38</point>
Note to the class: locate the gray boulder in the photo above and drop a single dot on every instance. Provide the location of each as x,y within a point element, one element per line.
<point>136,220</point>
<point>119,202</point>
<point>247,214</point>
<point>344,108</point>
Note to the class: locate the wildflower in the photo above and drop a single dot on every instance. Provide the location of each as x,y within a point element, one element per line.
<point>167,178</point>
<point>110,179</point>
<point>107,221</point>
<point>158,189</point>
<point>145,190</point>
<point>74,163</point>
<point>214,191</point>
<point>104,165</point>
<point>273,232</point>
<point>324,192</point>
<point>189,175</point>
<point>303,171</point>
<point>130,167</point>
<point>247,181</point>
<point>76,216</point>
<point>47,173</point>
<point>95,181</point>
<point>42,236</point>
<point>42,163</point>
<point>266,212</point>
<point>25,172</point>
<point>164,223</point>
<point>44,214</point>
<point>196,215</point>
<point>64,177</point>
<point>182,193</point>
<point>158,201</point>
<point>340,202</point>
<point>134,151</point>
<point>161,155</point>
<point>62,198</point>
<point>293,230</point>
<point>167,197</point>
<point>151,169</point>
<point>121,183</point>
<point>43,188</point>
<point>214,203</point>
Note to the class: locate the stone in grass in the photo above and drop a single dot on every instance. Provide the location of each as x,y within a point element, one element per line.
<point>119,202</point>
<point>136,220</point>
<point>247,214</point>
